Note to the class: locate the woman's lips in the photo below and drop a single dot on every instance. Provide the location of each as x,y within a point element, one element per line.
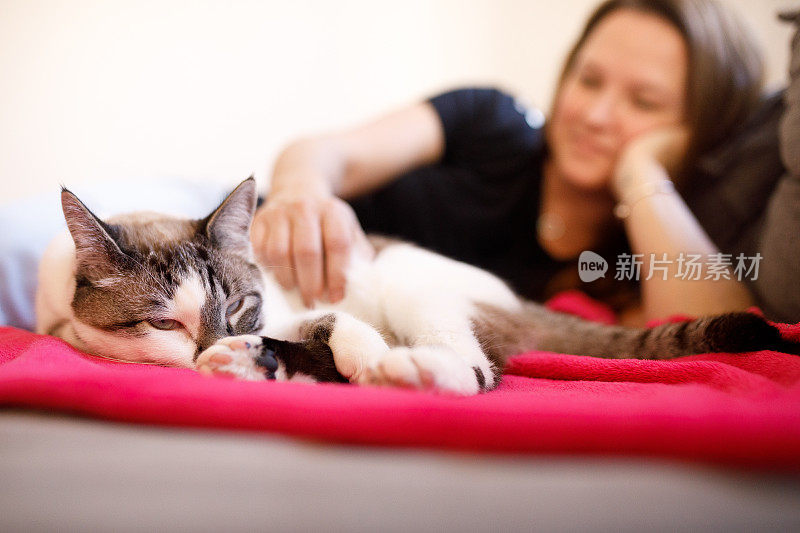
<point>587,147</point>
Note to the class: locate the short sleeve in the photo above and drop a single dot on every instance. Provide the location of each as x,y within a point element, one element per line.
<point>479,201</point>
<point>488,131</point>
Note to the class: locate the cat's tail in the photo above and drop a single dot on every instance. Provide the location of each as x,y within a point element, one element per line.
<point>537,328</point>
<point>730,332</point>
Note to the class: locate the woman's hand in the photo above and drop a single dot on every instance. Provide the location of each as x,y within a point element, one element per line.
<point>307,240</point>
<point>664,147</point>
<point>662,227</point>
<point>305,233</point>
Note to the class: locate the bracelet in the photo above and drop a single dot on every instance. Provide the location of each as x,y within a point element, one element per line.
<point>623,209</point>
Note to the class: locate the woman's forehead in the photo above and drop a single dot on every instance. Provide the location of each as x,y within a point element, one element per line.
<point>642,48</point>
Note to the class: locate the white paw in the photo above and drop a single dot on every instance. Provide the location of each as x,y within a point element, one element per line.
<point>422,367</point>
<point>233,357</point>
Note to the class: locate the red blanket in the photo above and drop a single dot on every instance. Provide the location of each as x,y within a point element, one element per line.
<point>730,409</point>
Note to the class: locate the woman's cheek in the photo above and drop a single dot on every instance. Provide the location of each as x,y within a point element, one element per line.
<point>568,108</point>
<point>642,123</point>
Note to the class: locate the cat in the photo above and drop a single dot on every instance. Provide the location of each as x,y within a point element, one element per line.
<point>150,288</point>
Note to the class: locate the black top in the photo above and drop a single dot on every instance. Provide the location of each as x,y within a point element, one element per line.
<point>480,203</point>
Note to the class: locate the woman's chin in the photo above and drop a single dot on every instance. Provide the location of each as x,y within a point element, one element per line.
<point>590,180</point>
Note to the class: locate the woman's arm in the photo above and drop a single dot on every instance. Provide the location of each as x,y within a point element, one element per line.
<point>657,221</point>
<point>358,160</point>
<point>304,231</point>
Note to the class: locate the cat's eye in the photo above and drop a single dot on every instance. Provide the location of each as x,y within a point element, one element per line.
<point>234,307</point>
<point>165,323</point>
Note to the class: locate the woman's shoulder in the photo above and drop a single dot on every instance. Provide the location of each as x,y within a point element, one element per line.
<point>487,124</point>
<point>486,104</point>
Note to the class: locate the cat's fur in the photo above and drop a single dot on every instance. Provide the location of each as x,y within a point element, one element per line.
<point>151,288</point>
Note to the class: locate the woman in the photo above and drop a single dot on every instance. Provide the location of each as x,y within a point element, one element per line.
<point>649,90</point>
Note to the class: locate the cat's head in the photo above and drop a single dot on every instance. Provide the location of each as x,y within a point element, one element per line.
<point>155,288</point>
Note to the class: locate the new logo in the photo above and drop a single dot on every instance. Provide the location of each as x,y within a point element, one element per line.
<point>591,266</point>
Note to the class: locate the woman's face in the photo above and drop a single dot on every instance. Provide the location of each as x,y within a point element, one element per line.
<point>629,78</point>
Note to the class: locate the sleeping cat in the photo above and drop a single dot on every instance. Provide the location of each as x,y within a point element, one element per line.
<point>150,288</point>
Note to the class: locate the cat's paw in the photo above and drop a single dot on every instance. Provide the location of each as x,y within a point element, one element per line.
<point>236,357</point>
<point>423,367</point>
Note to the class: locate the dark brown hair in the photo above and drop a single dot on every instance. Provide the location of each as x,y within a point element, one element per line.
<point>726,69</point>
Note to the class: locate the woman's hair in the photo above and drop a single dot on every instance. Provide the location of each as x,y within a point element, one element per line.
<point>726,69</point>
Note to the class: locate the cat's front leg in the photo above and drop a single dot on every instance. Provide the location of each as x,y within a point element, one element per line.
<point>355,345</point>
<point>441,354</point>
<point>446,360</point>
<point>240,357</point>
<point>431,367</point>
<point>319,347</point>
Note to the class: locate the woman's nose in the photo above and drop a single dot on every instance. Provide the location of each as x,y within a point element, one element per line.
<point>602,110</point>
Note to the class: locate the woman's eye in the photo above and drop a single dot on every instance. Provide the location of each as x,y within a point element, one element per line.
<point>165,324</point>
<point>590,82</point>
<point>234,307</point>
<point>645,105</point>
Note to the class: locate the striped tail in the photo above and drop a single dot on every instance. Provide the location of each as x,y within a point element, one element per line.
<point>731,332</point>
<point>503,334</point>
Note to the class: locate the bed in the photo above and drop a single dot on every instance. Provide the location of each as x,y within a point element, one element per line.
<point>565,443</point>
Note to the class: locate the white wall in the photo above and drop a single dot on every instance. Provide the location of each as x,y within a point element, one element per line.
<point>95,90</point>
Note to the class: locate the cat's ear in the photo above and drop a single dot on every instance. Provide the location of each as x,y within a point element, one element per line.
<point>98,254</point>
<point>228,227</point>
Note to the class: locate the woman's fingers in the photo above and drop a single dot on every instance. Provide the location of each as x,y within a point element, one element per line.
<point>337,232</point>
<point>307,243</point>
<point>277,249</point>
<point>665,147</point>
<point>307,253</point>
<point>269,236</point>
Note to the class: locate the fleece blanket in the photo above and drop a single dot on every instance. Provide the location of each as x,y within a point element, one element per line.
<point>729,409</point>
